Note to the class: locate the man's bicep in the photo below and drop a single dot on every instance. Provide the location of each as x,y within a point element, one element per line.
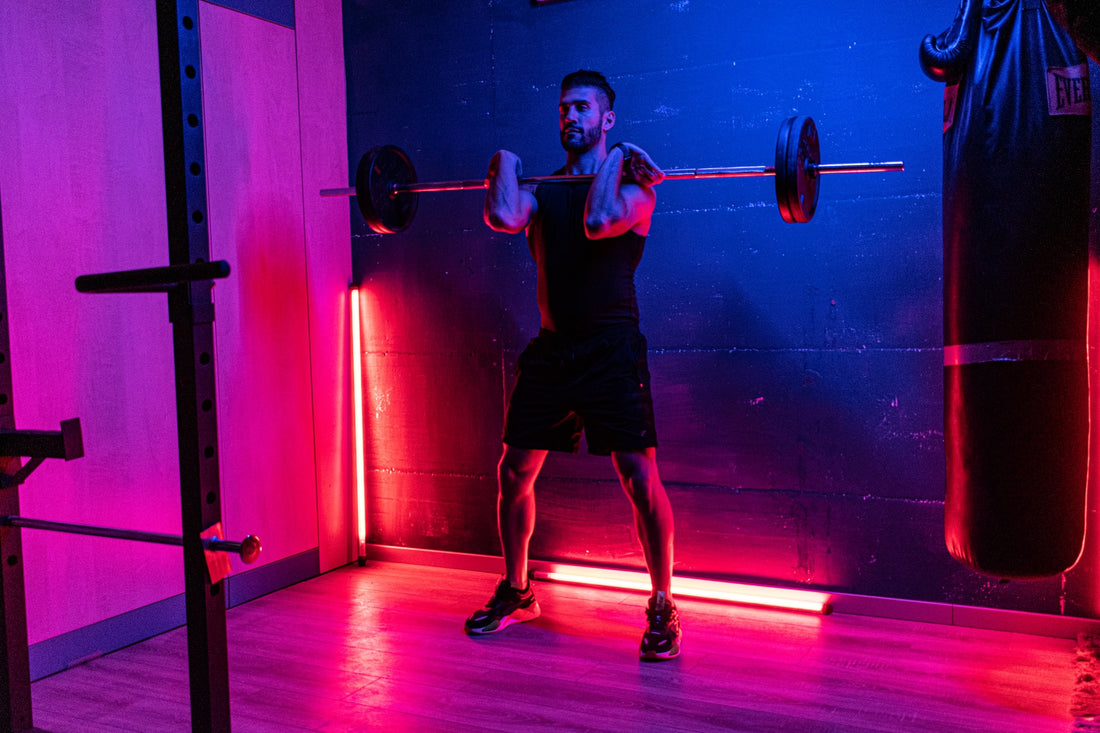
<point>640,200</point>
<point>511,216</point>
<point>529,205</point>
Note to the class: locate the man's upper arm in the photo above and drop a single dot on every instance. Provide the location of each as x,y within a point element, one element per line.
<point>528,204</point>
<point>515,221</point>
<point>641,201</point>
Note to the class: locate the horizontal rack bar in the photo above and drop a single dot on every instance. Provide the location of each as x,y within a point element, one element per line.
<point>247,549</point>
<point>66,443</point>
<point>152,279</point>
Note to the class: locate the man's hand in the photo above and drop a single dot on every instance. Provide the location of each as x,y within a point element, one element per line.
<point>639,167</point>
<point>503,160</point>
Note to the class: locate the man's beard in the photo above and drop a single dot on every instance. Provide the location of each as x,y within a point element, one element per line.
<point>582,144</point>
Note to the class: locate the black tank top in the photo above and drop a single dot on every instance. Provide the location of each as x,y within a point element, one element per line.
<point>583,284</point>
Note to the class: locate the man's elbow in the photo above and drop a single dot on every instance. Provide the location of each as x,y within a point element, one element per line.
<point>499,223</point>
<point>598,226</point>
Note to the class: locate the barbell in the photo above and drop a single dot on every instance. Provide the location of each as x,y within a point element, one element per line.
<point>386,188</point>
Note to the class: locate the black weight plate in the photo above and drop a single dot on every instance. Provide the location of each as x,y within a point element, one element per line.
<point>782,172</point>
<point>380,169</point>
<point>797,153</point>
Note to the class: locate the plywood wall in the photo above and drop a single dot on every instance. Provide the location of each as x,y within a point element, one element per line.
<point>81,174</point>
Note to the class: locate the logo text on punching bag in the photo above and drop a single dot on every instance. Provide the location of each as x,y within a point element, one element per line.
<point>1068,90</point>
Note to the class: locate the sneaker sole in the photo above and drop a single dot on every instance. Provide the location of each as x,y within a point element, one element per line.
<point>659,656</point>
<point>655,656</point>
<point>519,616</point>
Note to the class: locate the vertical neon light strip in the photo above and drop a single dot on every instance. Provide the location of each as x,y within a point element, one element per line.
<point>357,418</point>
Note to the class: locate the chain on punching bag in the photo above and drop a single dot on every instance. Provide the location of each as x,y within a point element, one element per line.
<point>1016,147</point>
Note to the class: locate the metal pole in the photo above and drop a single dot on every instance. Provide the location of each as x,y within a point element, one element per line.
<point>15,665</point>
<point>119,534</point>
<point>248,549</point>
<point>191,311</point>
<point>675,174</point>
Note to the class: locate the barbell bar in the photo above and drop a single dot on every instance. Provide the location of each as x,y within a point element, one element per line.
<point>386,188</point>
<point>249,548</point>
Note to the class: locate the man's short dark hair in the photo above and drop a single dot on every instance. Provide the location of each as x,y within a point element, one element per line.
<point>587,78</point>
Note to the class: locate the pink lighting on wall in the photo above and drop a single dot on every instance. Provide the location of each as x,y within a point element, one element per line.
<point>357,417</point>
<point>712,590</point>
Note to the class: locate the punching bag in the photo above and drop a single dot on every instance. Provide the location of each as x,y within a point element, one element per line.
<point>1016,148</point>
<point>1082,19</point>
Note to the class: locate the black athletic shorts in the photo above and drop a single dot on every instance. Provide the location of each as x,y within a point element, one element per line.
<point>598,384</point>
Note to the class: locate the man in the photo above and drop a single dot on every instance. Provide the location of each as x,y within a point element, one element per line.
<point>587,369</point>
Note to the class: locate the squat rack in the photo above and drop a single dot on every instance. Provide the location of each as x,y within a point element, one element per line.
<point>187,281</point>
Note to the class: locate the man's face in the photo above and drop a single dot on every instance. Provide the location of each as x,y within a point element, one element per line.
<point>582,120</point>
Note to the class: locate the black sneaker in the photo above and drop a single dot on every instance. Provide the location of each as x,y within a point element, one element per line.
<point>507,606</point>
<point>661,639</point>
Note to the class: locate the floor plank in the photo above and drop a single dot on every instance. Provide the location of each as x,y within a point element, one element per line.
<point>381,648</point>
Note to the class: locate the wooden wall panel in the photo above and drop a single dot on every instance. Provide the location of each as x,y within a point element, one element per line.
<point>81,167</point>
<point>254,173</point>
<point>323,111</point>
<point>83,180</point>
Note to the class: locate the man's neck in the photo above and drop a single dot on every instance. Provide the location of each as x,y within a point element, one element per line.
<point>586,163</point>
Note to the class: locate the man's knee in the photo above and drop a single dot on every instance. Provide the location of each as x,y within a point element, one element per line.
<point>643,492</point>
<point>517,471</point>
<point>638,466</point>
<point>638,475</point>
<point>644,488</point>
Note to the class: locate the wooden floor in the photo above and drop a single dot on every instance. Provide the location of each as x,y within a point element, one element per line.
<point>382,649</point>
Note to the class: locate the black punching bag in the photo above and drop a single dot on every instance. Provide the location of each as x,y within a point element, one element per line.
<point>1016,147</point>
<point>1082,19</point>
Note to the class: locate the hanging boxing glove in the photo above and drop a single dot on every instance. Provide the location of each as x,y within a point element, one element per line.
<point>945,57</point>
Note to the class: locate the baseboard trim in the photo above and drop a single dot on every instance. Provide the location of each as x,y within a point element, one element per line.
<point>95,640</point>
<point>244,587</point>
<point>950,614</point>
<point>89,642</point>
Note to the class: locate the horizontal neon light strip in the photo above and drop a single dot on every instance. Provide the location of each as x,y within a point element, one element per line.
<point>711,590</point>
